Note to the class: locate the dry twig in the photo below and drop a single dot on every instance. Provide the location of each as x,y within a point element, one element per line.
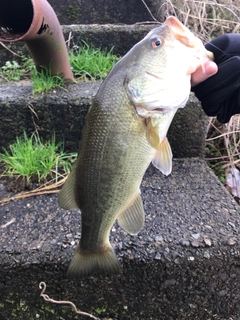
<point>49,189</point>
<point>42,286</point>
<point>14,53</point>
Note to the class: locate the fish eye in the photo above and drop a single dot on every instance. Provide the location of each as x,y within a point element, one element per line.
<point>156,42</point>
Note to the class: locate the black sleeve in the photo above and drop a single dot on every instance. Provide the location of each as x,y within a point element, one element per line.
<point>220,94</point>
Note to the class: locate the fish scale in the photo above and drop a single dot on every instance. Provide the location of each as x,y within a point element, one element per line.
<point>125,129</point>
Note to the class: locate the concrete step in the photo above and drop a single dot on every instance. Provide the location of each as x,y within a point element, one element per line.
<point>121,37</point>
<point>64,111</point>
<point>184,264</point>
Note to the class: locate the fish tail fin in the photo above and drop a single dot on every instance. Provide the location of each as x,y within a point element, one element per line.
<point>84,263</point>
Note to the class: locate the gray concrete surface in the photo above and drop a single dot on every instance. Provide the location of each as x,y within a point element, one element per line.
<point>184,264</point>
<point>64,111</point>
<point>120,36</point>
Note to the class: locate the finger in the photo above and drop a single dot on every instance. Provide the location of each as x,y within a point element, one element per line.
<point>225,81</point>
<point>201,74</point>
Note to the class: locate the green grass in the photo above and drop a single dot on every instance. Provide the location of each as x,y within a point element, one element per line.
<point>30,156</point>
<point>43,81</point>
<point>87,63</point>
<point>91,63</point>
<point>15,71</point>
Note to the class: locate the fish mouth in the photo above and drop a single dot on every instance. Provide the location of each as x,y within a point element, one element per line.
<point>181,32</point>
<point>159,109</point>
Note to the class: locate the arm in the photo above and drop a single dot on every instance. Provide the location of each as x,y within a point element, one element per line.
<point>219,92</point>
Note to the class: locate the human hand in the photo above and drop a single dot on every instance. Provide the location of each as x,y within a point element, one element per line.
<point>220,94</point>
<point>209,69</point>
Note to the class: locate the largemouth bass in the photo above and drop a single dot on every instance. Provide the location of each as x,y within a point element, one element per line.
<point>125,129</point>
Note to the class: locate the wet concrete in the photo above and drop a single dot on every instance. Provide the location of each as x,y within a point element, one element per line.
<point>184,264</point>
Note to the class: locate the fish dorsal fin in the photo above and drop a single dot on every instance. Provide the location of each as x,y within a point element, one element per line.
<point>66,198</point>
<point>163,158</point>
<point>132,219</point>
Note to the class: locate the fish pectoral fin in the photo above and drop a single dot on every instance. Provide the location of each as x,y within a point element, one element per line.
<point>66,198</point>
<point>163,158</point>
<point>152,135</point>
<point>132,219</point>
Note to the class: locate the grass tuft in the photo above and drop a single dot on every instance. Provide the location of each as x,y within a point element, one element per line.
<point>29,157</point>
<point>43,81</point>
<point>88,62</point>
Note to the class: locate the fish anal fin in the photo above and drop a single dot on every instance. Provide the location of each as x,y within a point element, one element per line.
<point>66,197</point>
<point>163,158</point>
<point>132,219</point>
<point>85,263</point>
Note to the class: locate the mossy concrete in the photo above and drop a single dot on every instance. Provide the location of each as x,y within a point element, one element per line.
<point>104,11</point>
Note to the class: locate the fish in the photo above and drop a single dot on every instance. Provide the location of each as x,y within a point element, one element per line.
<point>125,130</point>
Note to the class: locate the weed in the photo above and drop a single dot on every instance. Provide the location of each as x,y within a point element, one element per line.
<point>15,71</point>
<point>43,81</point>
<point>222,148</point>
<point>12,71</point>
<point>87,63</point>
<point>91,63</point>
<point>208,19</point>
<point>29,157</point>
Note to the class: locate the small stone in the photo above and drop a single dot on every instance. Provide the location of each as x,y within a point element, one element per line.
<point>207,255</point>
<point>207,242</point>
<point>222,293</point>
<point>232,225</point>
<point>9,248</point>
<point>170,282</point>
<point>195,235</point>
<point>195,243</point>
<point>177,261</point>
<point>223,276</point>
<point>46,248</point>
<point>159,238</point>
<point>191,258</point>
<point>185,243</point>
<point>157,256</point>
<point>53,241</point>
<point>167,250</point>
<point>231,241</point>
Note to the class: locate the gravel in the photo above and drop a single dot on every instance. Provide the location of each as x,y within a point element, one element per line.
<point>184,264</point>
